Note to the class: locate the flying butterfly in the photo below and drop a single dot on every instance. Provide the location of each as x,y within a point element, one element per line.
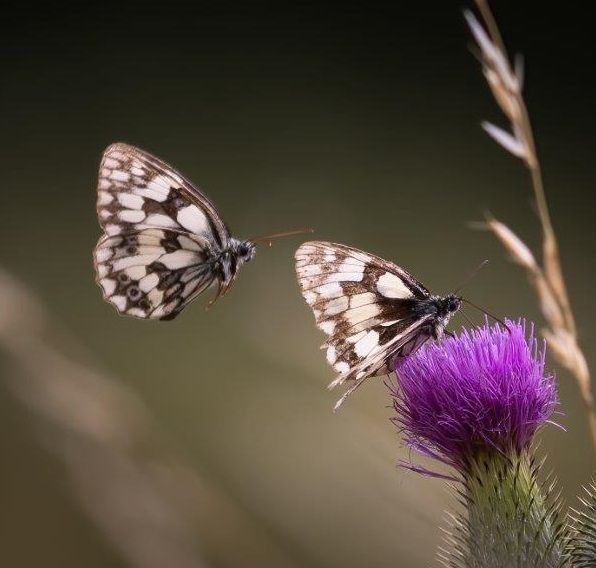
<point>164,240</point>
<point>373,311</point>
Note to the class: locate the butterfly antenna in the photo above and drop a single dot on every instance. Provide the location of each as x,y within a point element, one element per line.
<point>269,238</point>
<point>498,320</point>
<point>467,318</point>
<point>470,276</point>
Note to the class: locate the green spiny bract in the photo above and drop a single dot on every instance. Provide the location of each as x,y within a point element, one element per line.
<point>510,519</point>
<point>581,546</point>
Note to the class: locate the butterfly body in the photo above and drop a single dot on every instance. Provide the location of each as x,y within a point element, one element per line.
<point>373,311</point>
<point>440,309</point>
<point>164,242</point>
<point>228,261</point>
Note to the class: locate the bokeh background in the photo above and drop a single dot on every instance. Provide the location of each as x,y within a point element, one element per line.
<point>210,440</point>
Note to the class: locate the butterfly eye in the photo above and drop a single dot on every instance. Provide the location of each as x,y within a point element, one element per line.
<point>247,251</point>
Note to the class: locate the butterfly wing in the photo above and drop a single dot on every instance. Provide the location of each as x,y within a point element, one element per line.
<point>152,273</point>
<point>139,191</point>
<point>162,235</point>
<point>366,305</point>
<point>407,337</point>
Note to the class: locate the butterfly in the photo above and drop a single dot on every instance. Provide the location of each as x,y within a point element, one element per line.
<point>164,240</point>
<point>373,311</point>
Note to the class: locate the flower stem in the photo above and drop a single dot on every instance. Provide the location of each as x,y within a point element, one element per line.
<point>511,519</point>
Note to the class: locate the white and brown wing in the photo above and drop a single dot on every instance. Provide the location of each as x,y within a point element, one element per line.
<point>162,235</point>
<point>153,273</point>
<point>366,305</point>
<point>137,190</point>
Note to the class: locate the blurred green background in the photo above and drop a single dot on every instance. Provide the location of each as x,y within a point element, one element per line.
<point>360,121</point>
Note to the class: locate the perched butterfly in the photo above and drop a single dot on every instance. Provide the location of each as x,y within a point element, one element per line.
<point>372,310</point>
<point>164,240</point>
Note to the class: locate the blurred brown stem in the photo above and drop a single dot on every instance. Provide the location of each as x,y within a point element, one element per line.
<point>129,480</point>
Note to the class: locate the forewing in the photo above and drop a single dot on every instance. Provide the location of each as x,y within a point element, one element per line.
<point>138,191</point>
<point>366,305</point>
<point>152,273</point>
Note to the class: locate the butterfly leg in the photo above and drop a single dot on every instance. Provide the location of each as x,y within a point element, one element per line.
<point>222,289</point>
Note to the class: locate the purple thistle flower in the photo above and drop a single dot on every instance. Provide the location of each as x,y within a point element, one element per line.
<point>482,391</point>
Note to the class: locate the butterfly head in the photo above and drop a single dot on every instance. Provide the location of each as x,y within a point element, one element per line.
<point>245,250</point>
<point>451,303</point>
<point>443,307</point>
